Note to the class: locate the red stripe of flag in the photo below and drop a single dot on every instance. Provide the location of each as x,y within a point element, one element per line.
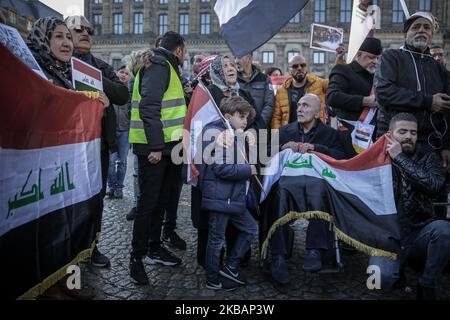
<point>87,70</point>
<point>37,114</point>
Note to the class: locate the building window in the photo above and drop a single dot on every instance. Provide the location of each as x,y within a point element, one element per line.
<point>138,23</point>
<point>397,12</point>
<point>117,1</point>
<point>13,17</point>
<point>205,23</point>
<point>346,10</point>
<point>138,0</point>
<point>163,24</point>
<point>184,23</point>
<point>295,19</point>
<point>268,57</point>
<point>98,24</point>
<point>116,63</point>
<point>292,54</point>
<point>98,1</point>
<point>163,1</point>
<point>320,10</point>
<point>425,5</point>
<point>205,1</point>
<point>117,23</point>
<point>184,1</point>
<point>319,57</point>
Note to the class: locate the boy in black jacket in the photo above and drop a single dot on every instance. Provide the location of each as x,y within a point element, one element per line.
<point>225,184</point>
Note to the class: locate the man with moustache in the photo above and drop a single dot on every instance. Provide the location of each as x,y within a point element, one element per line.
<point>349,89</point>
<point>410,80</point>
<point>418,177</point>
<point>296,86</point>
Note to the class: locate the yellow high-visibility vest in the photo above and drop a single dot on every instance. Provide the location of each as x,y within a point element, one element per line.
<point>173,111</point>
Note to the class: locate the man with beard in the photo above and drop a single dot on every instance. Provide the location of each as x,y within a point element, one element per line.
<point>418,177</point>
<point>349,90</point>
<point>296,86</point>
<point>410,80</point>
<point>439,55</point>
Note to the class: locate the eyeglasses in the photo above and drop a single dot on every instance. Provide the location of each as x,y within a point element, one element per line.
<point>83,28</point>
<point>295,66</point>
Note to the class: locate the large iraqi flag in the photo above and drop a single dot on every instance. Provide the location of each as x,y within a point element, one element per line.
<point>50,178</point>
<point>248,24</point>
<point>355,195</point>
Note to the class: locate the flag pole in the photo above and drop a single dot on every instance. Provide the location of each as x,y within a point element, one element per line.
<point>405,9</point>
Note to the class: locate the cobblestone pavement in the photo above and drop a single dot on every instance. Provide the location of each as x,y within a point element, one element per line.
<point>187,281</point>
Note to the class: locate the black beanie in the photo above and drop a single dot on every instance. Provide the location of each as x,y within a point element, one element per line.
<point>372,45</point>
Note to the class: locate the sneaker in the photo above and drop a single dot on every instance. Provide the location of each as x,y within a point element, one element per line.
<point>118,194</point>
<point>99,260</point>
<point>233,274</point>
<point>279,270</point>
<point>132,214</point>
<point>313,260</point>
<point>137,272</point>
<point>221,284</point>
<point>174,240</point>
<point>162,256</point>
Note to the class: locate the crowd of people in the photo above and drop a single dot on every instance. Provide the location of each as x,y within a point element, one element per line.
<point>146,102</point>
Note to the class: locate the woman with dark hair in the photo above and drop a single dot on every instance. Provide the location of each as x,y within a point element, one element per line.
<point>274,72</point>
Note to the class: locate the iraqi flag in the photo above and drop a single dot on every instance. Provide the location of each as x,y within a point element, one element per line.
<point>50,179</point>
<point>355,195</point>
<point>248,24</point>
<point>202,110</point>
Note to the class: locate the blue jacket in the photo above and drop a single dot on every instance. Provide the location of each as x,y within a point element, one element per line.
<point>223,185</point>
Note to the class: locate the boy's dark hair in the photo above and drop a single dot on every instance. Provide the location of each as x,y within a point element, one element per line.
<point>171,40</point>
<point>158,42</point>
<point>236,104</point>
<point>401,117</point>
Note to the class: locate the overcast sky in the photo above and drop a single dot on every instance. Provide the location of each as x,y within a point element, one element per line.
<point>66,7</point>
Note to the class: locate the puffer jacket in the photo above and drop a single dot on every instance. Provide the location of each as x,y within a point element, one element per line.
<point>400,88</point>
<point>223,184</point>
<point>418,179</point>
<point>315,85</point>
<point>260,88</point>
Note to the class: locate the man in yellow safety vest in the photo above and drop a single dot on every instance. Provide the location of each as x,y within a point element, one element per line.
<point>157,117</point>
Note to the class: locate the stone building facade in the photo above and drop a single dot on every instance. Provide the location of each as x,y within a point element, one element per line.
<point>122,26</point>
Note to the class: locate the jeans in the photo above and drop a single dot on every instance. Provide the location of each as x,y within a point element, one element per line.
<point>137,192</point>
<point>155,182</point>
<point>116,177</point>
<point>218,222</point>
<point>432,244</point>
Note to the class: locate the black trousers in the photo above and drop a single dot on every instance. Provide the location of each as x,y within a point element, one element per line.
<point>104,158</point>
<point>170,216</point>
<point>155,183</point>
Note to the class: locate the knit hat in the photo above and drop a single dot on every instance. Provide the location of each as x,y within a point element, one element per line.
<point>372,45</point>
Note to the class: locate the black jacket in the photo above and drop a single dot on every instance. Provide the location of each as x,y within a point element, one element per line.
<point>256,123</point>
<point>349,84</point>
<point>223,183</point>
<point>397,90</point>
<point>418,179</point>
<point>117,93</point>
<point>260,88</point>
<point>325,139</point>
<point>154,81</point>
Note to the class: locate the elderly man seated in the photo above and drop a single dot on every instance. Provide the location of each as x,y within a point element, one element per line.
<point>308,133</point>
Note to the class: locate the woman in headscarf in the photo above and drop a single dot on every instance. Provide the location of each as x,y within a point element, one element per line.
<point>50,42</point>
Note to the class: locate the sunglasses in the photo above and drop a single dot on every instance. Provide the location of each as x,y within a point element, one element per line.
<point>295,66</point>
<point>81,29</point>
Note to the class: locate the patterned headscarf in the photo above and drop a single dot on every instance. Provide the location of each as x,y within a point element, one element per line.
<point>219,78</point>
<point>39,43</point>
